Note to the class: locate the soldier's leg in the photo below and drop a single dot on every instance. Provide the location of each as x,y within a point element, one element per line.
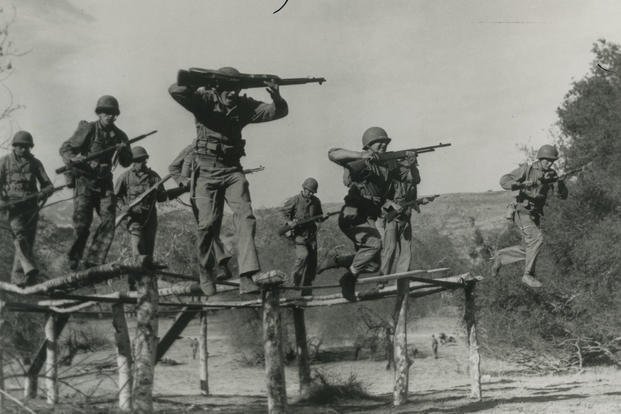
<point>83,205</point>
<point>311,267</point>
<point>390,247</point>
<point>533,239</point>
<point>300,264</point>
<point>237,196</point>
<point>209,216</point>
<point>221,255</point>
<point>23,230</point>
<point>104,234</point>
<point>404,260</point>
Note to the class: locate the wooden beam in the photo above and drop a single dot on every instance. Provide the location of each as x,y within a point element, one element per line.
<point>123,357</point>
<point>400,345</point>
<point>302,352</point>
<point>181,321</point>
<point>203,355</point>
<point>474,358</point>
<point>272,341</point>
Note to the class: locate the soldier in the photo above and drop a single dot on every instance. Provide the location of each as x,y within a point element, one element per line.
<point>220,116</point>
<point>369,183</point>
<point>142,223</point>
<point>92,181</point>
<point>533,182</point>
<point>184,170</point>
<point>300,207</point>
<point>20,172</point>
<point>434,346</point>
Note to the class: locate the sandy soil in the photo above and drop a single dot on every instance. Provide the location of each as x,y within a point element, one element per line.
<point>436,385</point>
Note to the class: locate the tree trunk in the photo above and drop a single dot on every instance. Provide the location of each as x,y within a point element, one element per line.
<point>302,352</point>
<point>274,361</point>
<point>51,369</point>
<point>402,362</point>
<point>203,355</point>
<point>2,303</point>
<point>473,344</point>
<point>145,343</point>
<point>123,356</point>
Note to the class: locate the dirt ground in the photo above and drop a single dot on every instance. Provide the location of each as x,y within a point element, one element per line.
<point>436,385</point>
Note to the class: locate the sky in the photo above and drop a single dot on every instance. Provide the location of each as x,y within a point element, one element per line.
<point>486,76</point>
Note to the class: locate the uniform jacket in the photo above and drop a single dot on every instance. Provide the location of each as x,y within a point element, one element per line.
<point>534,198</point>
<point>91,137</point>
<point>131,184</point>
<point>298,208</point>
<point>19,176</point>
<point>218,129</point>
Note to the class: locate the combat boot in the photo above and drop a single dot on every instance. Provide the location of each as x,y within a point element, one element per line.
<point>348,286</point>
<point>329,262</point>
<point>531,281</point>
<point>207,281</point>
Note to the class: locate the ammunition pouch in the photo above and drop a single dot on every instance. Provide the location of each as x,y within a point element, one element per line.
<point>218,150</point>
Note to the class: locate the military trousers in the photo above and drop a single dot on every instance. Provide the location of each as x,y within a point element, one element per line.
<point>142,240</point>
<point>216,185</point>
<point>23,223</point>
<point>93,195</point>
<point>396,253</point>
<point>361,230</point>
<point>221,254</point>
<point>532,242</point>
<point>305,265</point>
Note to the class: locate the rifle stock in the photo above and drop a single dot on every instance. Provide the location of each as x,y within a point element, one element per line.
<point>102,152</point>
<point>210,78</point>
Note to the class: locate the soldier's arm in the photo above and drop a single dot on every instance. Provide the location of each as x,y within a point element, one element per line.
<point>45,184</point>
<point>2,178</point>
<point>264,112</point>
<point>288,209</point>
<point>78,142</point>
<point>161,195</point>
<point>342,156</point>
<point>124,152</point>
<point>178,168</point>
<point>514,179</point>
<point>185,96</point>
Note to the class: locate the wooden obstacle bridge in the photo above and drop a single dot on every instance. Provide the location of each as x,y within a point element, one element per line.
<point>54,298</point>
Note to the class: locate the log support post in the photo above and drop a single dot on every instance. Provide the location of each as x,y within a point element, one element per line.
<point>2,312</point>
<point>400,345</point>
<point>473,344</point>
<point>270,283</point>
<point>203,355</point>
<point>302,352</point>
<point>51,367</point>
<point>123,357</point>
<point>145,342</point>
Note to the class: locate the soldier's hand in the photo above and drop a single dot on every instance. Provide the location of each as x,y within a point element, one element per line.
<point>370,155</point>
<point>411,157</point>
<point>77,159</point>
<point>48,191</point>
<point>528,184</point>
<point>273,89</point>
<point>122,145</point>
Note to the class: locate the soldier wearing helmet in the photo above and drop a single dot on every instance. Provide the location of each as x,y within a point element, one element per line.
<point>532,182</point>
<point>94,189</point>
<point>142,223</point>
<point>299,207</point>
<point>220,115</point>
<point>20,172</point>
<point>369,183</point>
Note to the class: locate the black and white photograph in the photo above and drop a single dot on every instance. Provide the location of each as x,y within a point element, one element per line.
<point>310,207</point>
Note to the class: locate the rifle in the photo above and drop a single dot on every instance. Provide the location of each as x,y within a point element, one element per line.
<point>284,229</point>
<point>392,214</point>
<point>177,192</point>
<point>358,165</point>
<point>210,78</point>
<point>102,152</point>
<point>553,179</point>
<point>140,199</point>
<point>34,196</point>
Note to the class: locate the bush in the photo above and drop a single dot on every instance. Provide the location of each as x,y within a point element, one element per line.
<point>328,389</point>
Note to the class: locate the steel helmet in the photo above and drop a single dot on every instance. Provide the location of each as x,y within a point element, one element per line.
<point>229,71</point>
<point>311,185</point>
<point>22,138</point>
<point>547,152</point>
<point>107,103</point>
<point>372,135</point>
<point>139,153</point>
